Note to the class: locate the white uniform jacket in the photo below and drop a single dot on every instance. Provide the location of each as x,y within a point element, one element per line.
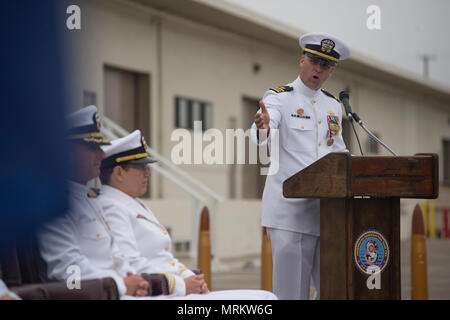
<point>82,238</point>
<point>142,240</point>
<point>301,116</point>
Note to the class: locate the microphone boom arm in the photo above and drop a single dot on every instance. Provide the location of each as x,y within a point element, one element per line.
<point>371,135</point>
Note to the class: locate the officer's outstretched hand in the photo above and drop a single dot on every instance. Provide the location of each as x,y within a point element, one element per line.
<point>262,119</point>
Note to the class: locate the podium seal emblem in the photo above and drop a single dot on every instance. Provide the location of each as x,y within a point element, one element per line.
<point>371,252</point>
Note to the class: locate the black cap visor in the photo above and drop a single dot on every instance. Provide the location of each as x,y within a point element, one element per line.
<point>142,161</point>
<point>320,59</point>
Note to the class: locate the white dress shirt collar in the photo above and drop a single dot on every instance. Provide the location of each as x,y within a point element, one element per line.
<point>303,89</point>
<point>77,189</point>
<point>116,193</point>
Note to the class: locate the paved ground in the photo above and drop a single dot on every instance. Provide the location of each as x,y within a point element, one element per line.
<point>438,257</point>
<point>245,273</point>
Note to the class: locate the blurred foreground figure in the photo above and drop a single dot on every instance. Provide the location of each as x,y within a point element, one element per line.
<point>34,169</point>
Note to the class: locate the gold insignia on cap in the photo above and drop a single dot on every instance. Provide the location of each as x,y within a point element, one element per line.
<point>144,143</point>
<point>132,157</point>
<point>97,121</point>
<point>327,45</point>
<point>300,111</point>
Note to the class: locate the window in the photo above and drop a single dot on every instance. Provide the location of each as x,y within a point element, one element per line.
<point>89,98</point>
<point>446,147</point>
<point>373,146</point>
<point>189,110</point>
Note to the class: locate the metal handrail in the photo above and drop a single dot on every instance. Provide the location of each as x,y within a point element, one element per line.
<point>109,123</point>
<point>110,135</point>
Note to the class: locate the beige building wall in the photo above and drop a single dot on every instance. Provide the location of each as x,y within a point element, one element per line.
<point>188,59</point>
<point>207,64</point>
<point>117,35</point>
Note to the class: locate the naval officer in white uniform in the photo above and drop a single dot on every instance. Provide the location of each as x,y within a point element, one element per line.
<point>309,124</point>
<point>142,240</point>
<point>81,239</point>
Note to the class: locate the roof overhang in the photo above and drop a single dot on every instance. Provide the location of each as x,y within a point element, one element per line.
<point>231,18</point>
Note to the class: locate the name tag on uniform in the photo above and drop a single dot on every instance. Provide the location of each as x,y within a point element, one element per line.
<point>302,116</point>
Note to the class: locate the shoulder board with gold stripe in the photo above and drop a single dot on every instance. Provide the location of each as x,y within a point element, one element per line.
<point>282,89</point>
<point>331,95</point>
<point>93,193</point>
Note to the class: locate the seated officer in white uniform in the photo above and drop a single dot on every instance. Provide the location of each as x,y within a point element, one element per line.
<point>81,237</point>
<point>142,240</point>
<point>309,123</point>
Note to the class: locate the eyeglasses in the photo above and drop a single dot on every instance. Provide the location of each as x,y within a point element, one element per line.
<point>324,64</point>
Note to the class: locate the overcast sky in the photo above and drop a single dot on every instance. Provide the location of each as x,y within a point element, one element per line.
<point>409,28</point>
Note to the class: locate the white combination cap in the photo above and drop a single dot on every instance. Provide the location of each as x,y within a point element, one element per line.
<point>324,46</point>
<point>84,125</point>
<point>129,149</point>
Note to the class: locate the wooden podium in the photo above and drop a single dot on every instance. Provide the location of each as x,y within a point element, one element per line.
<point>360,218</point>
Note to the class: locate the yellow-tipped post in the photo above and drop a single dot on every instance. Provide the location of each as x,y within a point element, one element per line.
<point>204,247</point>
<point>266,262</point>
<point>418,257</point>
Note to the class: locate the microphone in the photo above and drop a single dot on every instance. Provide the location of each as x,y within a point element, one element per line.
<point>343,96</point>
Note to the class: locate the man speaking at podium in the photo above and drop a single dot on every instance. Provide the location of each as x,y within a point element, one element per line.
<point>309,122</point>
